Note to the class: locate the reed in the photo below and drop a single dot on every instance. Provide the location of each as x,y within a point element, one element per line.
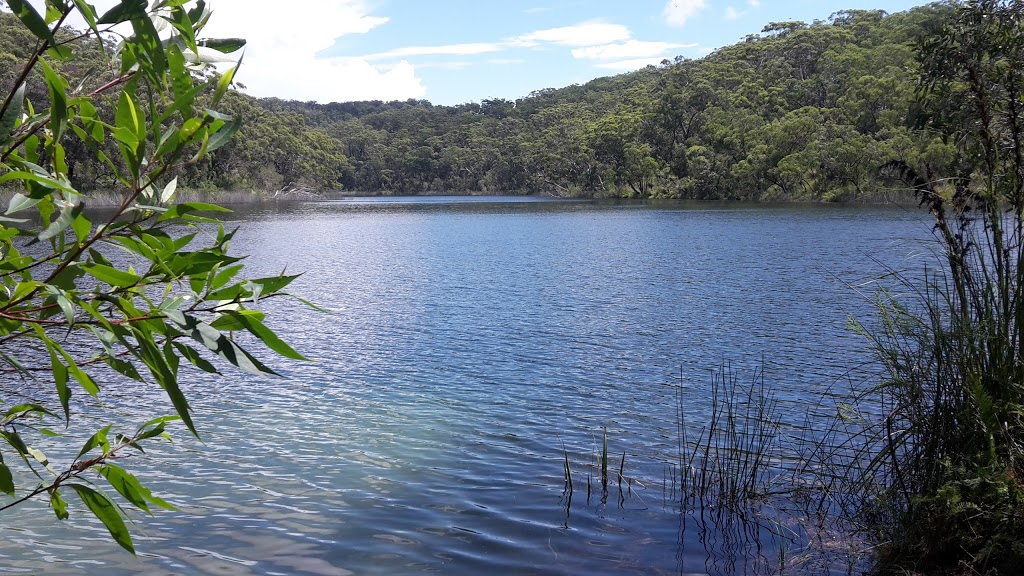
<point>727,463</point>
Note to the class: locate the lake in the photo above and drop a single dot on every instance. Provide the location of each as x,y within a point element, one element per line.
<point>471,347</point>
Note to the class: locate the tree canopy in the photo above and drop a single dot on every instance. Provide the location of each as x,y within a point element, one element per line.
<point>804,111</point>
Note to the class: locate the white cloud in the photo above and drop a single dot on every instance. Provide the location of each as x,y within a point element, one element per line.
<point>677,12</point>
<point>754,3</point>
<point>506,61</point>
<point>585,34</point>
<point>444,50</point>
<point>626,50</point>
<point>732,14</point>
<point>632,64</point>
<point>457,65</point>
<point>281,59</point>
<point>281,50</point>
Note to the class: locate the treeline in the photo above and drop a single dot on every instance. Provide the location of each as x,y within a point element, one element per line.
<point>800,111</point>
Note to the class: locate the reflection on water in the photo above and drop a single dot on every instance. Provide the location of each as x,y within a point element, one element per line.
<point>468,342</point>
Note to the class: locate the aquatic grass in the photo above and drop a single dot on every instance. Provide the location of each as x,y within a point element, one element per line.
<point>604,459</point>
<point>727,463</point>
<point>599,466</point>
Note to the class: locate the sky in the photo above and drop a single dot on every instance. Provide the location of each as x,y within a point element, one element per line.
<point>457,51</point>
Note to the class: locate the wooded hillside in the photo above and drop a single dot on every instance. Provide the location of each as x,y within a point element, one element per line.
<point>800,111</point>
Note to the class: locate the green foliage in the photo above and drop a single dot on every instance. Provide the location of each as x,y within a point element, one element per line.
<point>802,111</point>
<point>945,482</point>
<point>88,303</point>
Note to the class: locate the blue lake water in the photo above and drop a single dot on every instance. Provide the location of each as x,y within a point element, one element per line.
<point>467,341</point>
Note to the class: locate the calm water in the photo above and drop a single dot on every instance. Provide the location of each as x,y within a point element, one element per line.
<point>467,341</point>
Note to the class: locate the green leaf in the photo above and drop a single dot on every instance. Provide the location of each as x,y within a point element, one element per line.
<point>106,511</point>
<point>97,439</point>
<point>164,374</point>
<point>21,202</point>
<point>197,13</point>
<point>83,379</point>
<point>82,226</point>
<point>67,216</point>
<point>224,82</point>
<point>168,192</point>
<point>223,45</point>
<point>266,335</point>
<point>64,303</point>
<point>124,11</point>
<point>67,277</point>
<point>186,208</point>
<point>224,276</point>
<point>154,427</point>
<point>224,135</point>
<point>6,480</point>
<point>87,112</point>
<point>88,13</point>
<point>58,100</point>
<point>124,367</point>
<point>12,113</point>
<point>192,355</point>
<point>147,38</point>
<point>111,275</point>
<point>38,455</point>
<point>26,409</point>
<point>183,24</point>
<point>53,11</point>
<point>274,284</point>
<point>46,181</point>
<point>59,505</point>
<point>60,380</point>
<point>128,485</point>
<point>14,439</point>
<point>181,81</point>
<point>228,322</point>
<point>32,20</point>
<point>217,342</point>
<point>130,117</point>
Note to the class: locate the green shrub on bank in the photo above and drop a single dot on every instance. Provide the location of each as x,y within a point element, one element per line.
<point>943,486</point>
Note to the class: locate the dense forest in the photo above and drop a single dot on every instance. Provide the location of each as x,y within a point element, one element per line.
<point>801,111</point>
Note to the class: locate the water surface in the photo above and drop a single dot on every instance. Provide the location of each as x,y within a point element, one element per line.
<point>468,341</point>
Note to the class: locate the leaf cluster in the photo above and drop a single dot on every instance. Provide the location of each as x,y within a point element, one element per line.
<point>90,300</point>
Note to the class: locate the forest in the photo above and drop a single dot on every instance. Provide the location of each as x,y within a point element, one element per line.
<point>801,111</point>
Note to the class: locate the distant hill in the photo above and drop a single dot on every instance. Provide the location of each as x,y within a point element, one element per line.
<point>803,111</point>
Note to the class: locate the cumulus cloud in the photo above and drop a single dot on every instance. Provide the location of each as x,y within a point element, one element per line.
<point>282,60</point>
<point>281,53</point>
<point>677,12</point>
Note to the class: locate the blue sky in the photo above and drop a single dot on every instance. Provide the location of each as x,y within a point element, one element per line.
<point>455,51</point>
<point>465,50</point>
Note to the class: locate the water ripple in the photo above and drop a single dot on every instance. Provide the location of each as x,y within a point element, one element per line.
<point>466,346</point>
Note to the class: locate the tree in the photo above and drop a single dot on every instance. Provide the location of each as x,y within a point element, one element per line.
<point>131,295</point>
